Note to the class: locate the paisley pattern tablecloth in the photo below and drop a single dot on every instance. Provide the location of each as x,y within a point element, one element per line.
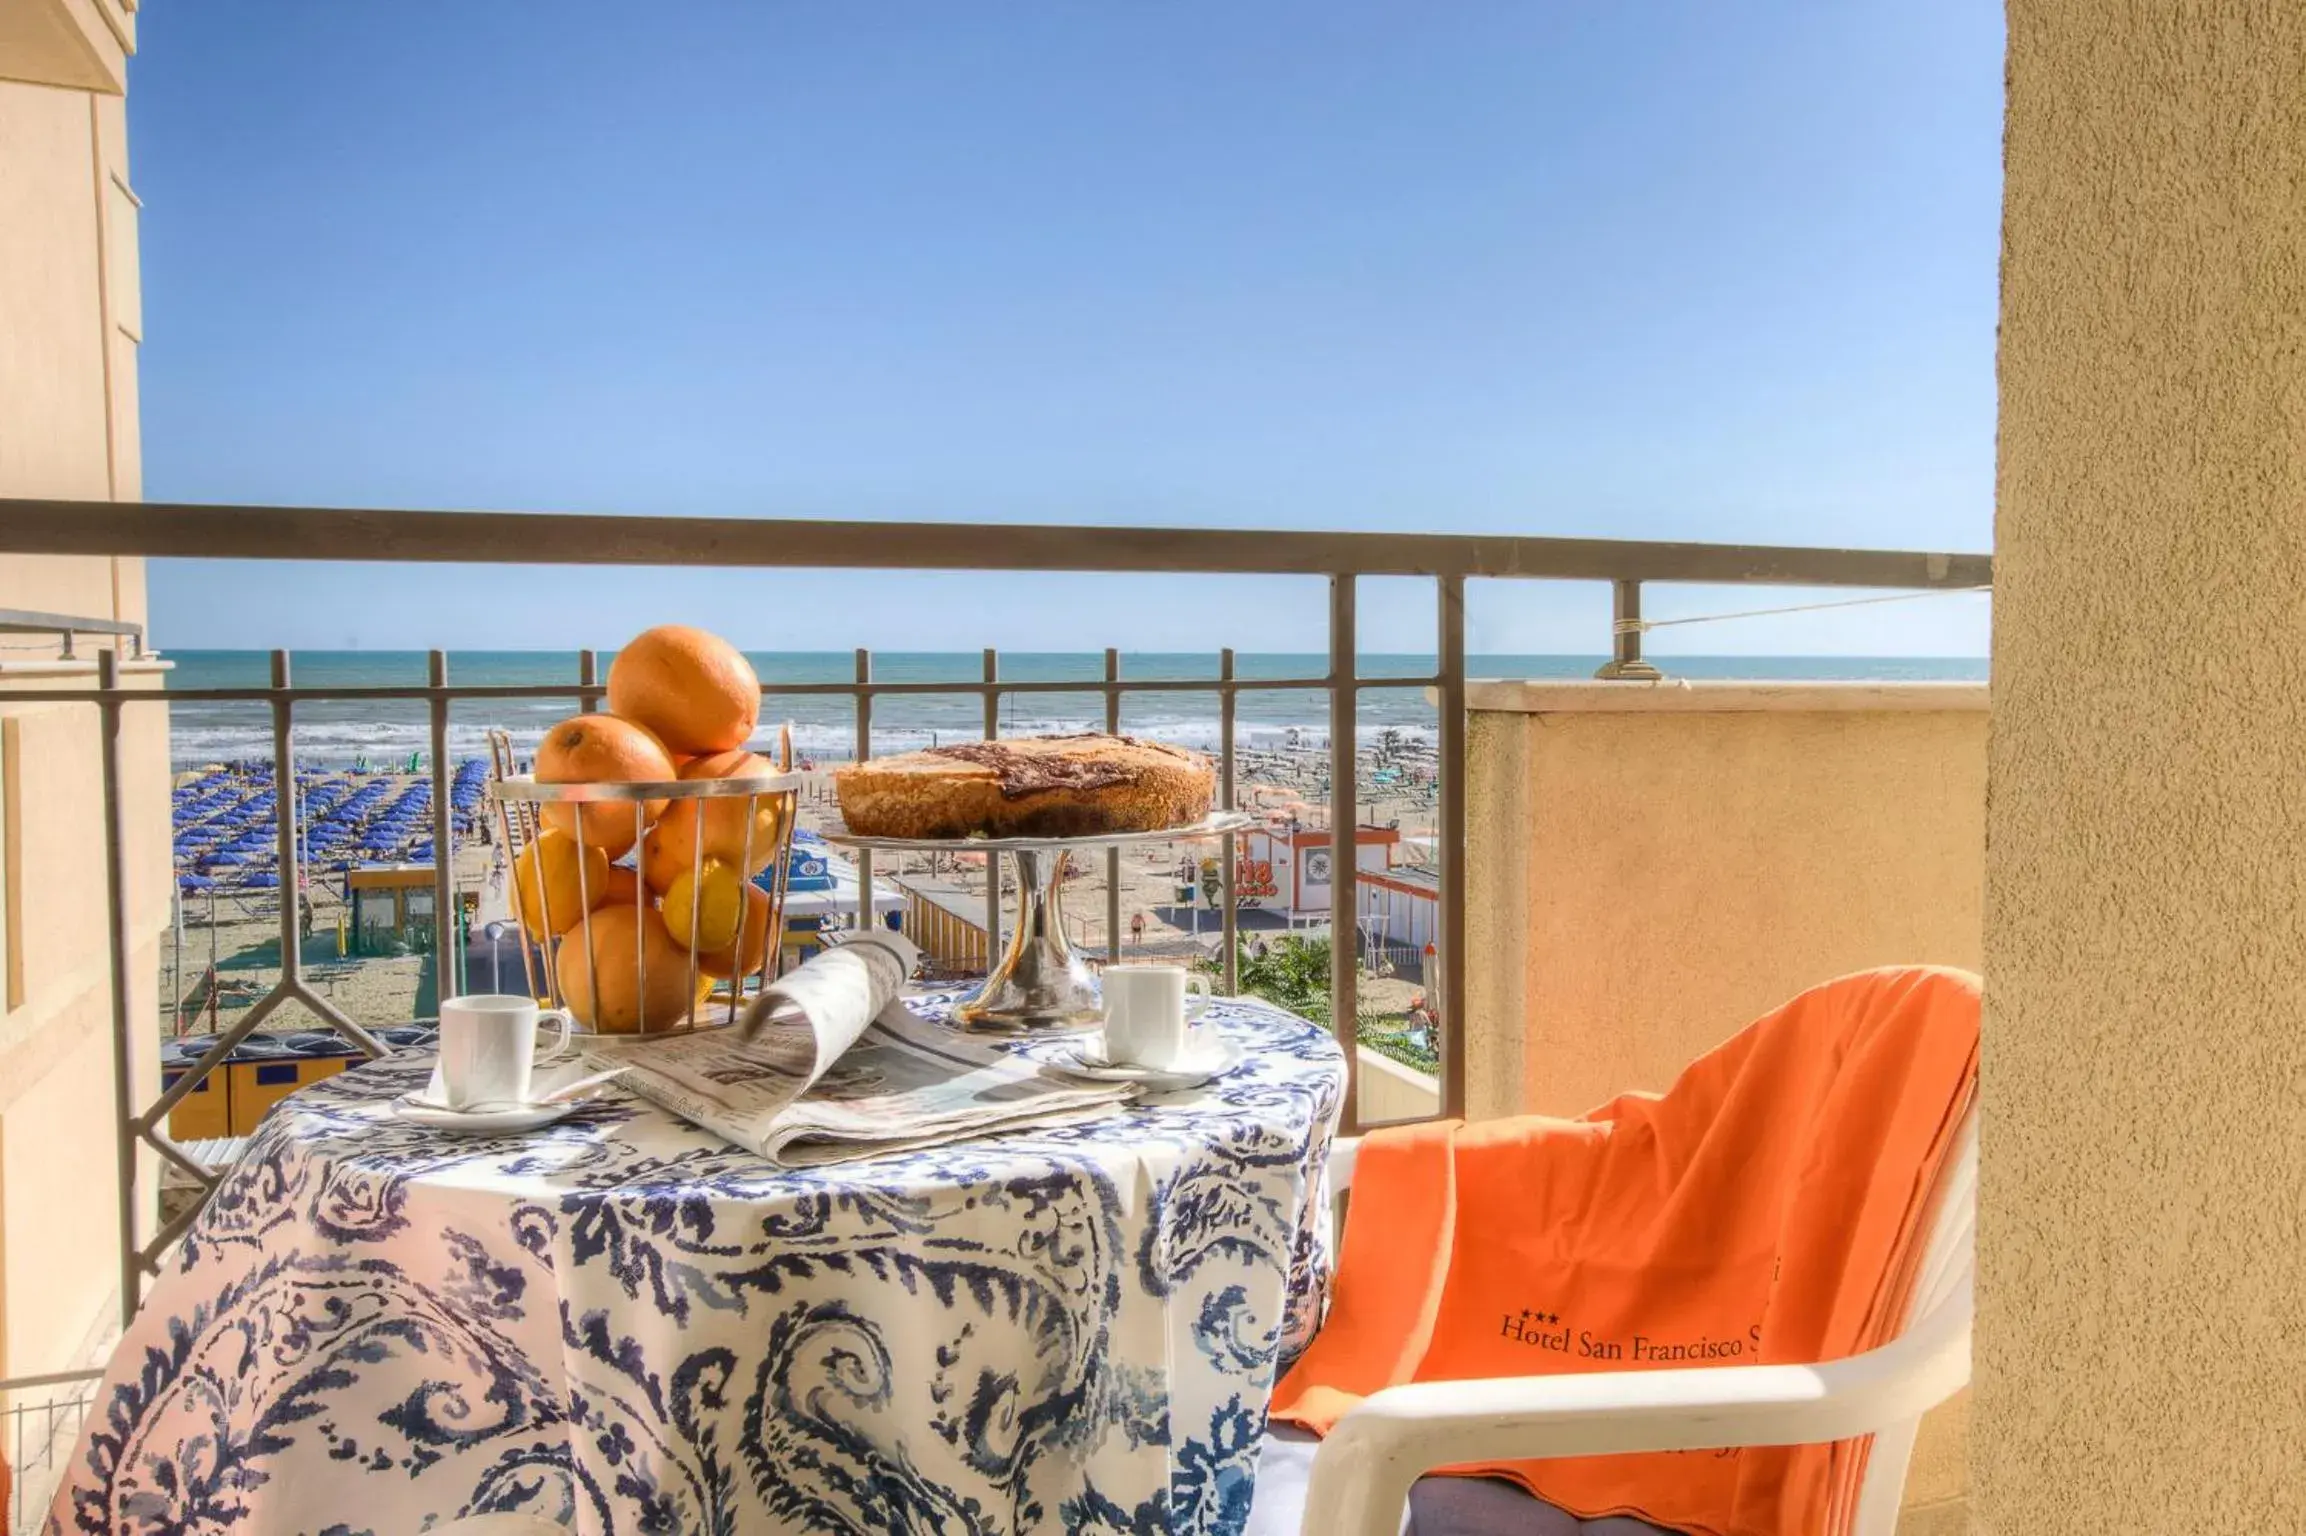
<point>621,1323</point>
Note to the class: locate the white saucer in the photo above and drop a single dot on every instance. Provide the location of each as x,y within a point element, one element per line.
<point>427,1107</point>
<point>1203,1060</point>
<point>512,1118</point>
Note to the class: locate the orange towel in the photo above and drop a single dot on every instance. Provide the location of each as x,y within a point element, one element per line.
<point>1765,1209</point>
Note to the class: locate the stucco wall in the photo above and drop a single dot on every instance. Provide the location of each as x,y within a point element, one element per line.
<point>58,1220</point>
<point>1691,855</point>
<point>1651,866</point>
<point>2140,1333</point>
<point>78,44</point>
<point>70,323</point>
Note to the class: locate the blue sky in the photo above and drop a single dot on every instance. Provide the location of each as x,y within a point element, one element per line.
<point>1668,269</point>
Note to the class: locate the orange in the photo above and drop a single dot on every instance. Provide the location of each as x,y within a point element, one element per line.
<point>599,983</point>
<point>673,845</point>
<point>694,690</point>
<point>744,957</point>
<point>601,749</point>
<point>551,882</point>
<point>621,888</point>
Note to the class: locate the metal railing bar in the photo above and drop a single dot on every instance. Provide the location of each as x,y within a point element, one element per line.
<point>284,824</point>
<point>168,1147</point>
<point>328,1013</point>
<point>588,682</point>
<point>105,528</point>
<point>419,693</point>
<point>993,862</point>
<point>864,664</point>
<point>1228,787</point>
<point>284,820</point>
<point>1445,991</point>
<point>222,531</point>
<point>1625,662</point>
<point>1112,855</point>
<point>164,1239</point>
<point>447,955</point>
<point>1344,849</point>
<point>52,1379</point>
<point>65,626</point>
<point>125,1049</point>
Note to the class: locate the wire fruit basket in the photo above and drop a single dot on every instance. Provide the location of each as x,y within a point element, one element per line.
<point>647,908</point>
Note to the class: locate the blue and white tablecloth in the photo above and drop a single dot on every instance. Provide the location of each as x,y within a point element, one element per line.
<point>623,1324</point>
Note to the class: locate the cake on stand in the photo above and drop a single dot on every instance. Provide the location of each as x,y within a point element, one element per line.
<point>1042,985</point>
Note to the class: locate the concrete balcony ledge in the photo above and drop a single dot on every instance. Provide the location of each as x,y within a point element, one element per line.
<point>1389,1090</point>
<point>82,667</point>
<point>1710,696</point>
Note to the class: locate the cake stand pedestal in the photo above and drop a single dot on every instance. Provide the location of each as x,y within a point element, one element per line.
<point>1042,985</point>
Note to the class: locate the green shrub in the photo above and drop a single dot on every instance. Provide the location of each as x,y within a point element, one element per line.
<point>1401,1048</point>
<point>1292,974</point>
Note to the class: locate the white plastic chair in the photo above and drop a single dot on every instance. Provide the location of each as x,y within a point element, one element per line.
<point>1359,1485</point>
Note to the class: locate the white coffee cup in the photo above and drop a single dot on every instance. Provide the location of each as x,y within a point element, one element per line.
<point>1146,1012</point>
<point>488,1047</point>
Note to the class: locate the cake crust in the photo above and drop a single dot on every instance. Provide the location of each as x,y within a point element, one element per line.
<point>1035,786</point>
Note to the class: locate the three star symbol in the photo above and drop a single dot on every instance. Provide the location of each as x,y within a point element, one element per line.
<point>1541,1317</point>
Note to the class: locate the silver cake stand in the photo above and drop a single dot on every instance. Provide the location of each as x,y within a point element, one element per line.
<point>1042,985</point>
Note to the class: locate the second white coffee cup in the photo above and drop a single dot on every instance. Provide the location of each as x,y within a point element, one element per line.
<point>488,1047</point>
<point>1147,1009</point>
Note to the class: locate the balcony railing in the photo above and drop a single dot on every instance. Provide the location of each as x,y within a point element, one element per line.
<point>308,534</point>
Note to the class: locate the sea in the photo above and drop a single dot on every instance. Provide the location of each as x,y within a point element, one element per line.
<point>389,734</point>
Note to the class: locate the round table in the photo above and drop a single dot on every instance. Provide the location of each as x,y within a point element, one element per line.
<point>621,1323</point>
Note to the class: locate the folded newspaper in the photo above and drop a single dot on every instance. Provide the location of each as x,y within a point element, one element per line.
<point>829,1064</point>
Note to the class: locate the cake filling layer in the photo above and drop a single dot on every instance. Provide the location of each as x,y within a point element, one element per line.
<point>1025,773</point>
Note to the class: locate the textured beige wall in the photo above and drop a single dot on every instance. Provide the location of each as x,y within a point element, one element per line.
<point>2142,1238</point>
<point>70,324</point>
<point>72,319</point>
<point>1498,881</point>
<point>77,44</point>
<point>1650,867</point>
<point>58,1248</point>
<point>1691,856</point>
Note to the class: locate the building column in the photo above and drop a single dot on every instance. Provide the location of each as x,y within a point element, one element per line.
<point>2143,1212</point>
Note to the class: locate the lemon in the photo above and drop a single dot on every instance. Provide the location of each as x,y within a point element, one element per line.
<point>704,905</point>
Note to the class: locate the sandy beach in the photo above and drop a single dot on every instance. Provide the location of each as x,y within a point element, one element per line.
<point>242,938</point>
<point>239,933</point>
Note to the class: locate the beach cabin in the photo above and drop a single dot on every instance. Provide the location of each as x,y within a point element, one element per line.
<point>1288,864</point>
<point>391,908</point>
<point>1400,916</point>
